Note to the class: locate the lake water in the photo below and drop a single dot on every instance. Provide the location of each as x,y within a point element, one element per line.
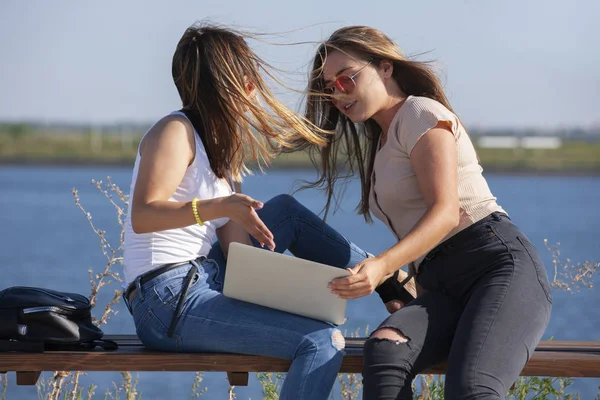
<point>47,241</point>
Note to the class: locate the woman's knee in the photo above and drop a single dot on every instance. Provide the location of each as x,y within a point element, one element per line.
<point>282,200</point>
<point>388,346</point>
<point>334,339</point>
<point>395,335</point>
<point>387,365</point>
<point>284,207</point>
<point>328,342</point>
<point>279,207</point>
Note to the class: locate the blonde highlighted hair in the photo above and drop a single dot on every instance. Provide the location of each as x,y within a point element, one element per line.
<point>211,68</point>
<point>352,147</point>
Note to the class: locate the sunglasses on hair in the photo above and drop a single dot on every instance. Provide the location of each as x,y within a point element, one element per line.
<point>343,83</point>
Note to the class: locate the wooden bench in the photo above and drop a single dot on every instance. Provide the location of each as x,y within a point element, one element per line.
<point>551,358</point>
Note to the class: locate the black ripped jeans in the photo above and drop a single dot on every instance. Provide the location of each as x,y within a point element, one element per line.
<point>486,307</point>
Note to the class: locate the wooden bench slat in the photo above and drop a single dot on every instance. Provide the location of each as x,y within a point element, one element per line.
<point>542,363</point>
<point>551,363</point>
<point>551,358</point>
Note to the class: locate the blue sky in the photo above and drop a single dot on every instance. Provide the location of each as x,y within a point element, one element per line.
<point>505,63</point>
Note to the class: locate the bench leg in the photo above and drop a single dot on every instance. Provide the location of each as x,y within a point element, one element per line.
<point>238,378</point>
<point>28,377</point>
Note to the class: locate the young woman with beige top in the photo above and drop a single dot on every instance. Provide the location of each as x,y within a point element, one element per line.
<point>483,296</point>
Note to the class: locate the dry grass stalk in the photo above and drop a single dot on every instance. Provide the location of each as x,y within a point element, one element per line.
<point>231,393</point>
<point>4,385</point>
<point>568,276</point>
<point>119,200</point>
<point>196,392</point>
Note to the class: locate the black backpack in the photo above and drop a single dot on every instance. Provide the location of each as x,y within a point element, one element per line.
<point>37,319</point>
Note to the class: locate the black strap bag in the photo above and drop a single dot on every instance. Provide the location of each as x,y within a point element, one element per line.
<point>36,320</point>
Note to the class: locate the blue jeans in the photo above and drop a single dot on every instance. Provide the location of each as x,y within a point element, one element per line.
<point>211,322</point>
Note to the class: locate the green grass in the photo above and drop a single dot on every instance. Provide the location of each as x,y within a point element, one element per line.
<point>572,156</point>
<point>68,148</point>
<point>85,148</point>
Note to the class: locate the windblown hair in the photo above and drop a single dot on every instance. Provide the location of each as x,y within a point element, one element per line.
<point>353,146</point>
<point>211,68</point>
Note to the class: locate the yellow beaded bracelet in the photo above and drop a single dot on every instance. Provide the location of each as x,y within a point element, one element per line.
<point>195,209</point>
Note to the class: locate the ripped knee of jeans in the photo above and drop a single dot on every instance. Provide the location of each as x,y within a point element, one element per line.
<point>391,334</point>
<point>337,340</point>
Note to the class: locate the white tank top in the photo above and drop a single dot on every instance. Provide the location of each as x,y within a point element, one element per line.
<point>143,252</point>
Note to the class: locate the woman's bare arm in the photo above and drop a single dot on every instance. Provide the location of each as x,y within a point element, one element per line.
<point>166,152</point>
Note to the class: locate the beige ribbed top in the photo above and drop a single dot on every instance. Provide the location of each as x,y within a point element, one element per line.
<point>395,196</point>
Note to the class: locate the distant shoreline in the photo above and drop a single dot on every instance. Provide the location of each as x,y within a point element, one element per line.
<point>487,169</point>
<point>571,158</point>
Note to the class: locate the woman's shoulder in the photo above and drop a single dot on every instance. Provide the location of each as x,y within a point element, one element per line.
<point>417,105</point>
<point>173,122</point>
<point>172,128</point>
<point>418,115</point>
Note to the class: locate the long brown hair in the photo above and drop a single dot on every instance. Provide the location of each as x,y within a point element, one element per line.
<point>352,148</point>
<point>211,67</point>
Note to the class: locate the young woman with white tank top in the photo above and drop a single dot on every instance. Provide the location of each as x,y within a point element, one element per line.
<point>144,252</point>
<point>184,211</point>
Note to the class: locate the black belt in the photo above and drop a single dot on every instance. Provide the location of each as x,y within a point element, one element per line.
<point>187,282</point>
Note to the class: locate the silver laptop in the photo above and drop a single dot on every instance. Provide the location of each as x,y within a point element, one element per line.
<point>283,282</point>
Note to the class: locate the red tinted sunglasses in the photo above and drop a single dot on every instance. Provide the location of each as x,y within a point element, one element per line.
<point>344,83</point>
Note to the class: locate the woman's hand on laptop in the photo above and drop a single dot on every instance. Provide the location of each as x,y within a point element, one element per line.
<point>364,278</point>
<point>241,208</point>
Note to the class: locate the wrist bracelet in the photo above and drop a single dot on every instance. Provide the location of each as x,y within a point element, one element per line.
<point>195,210</point>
